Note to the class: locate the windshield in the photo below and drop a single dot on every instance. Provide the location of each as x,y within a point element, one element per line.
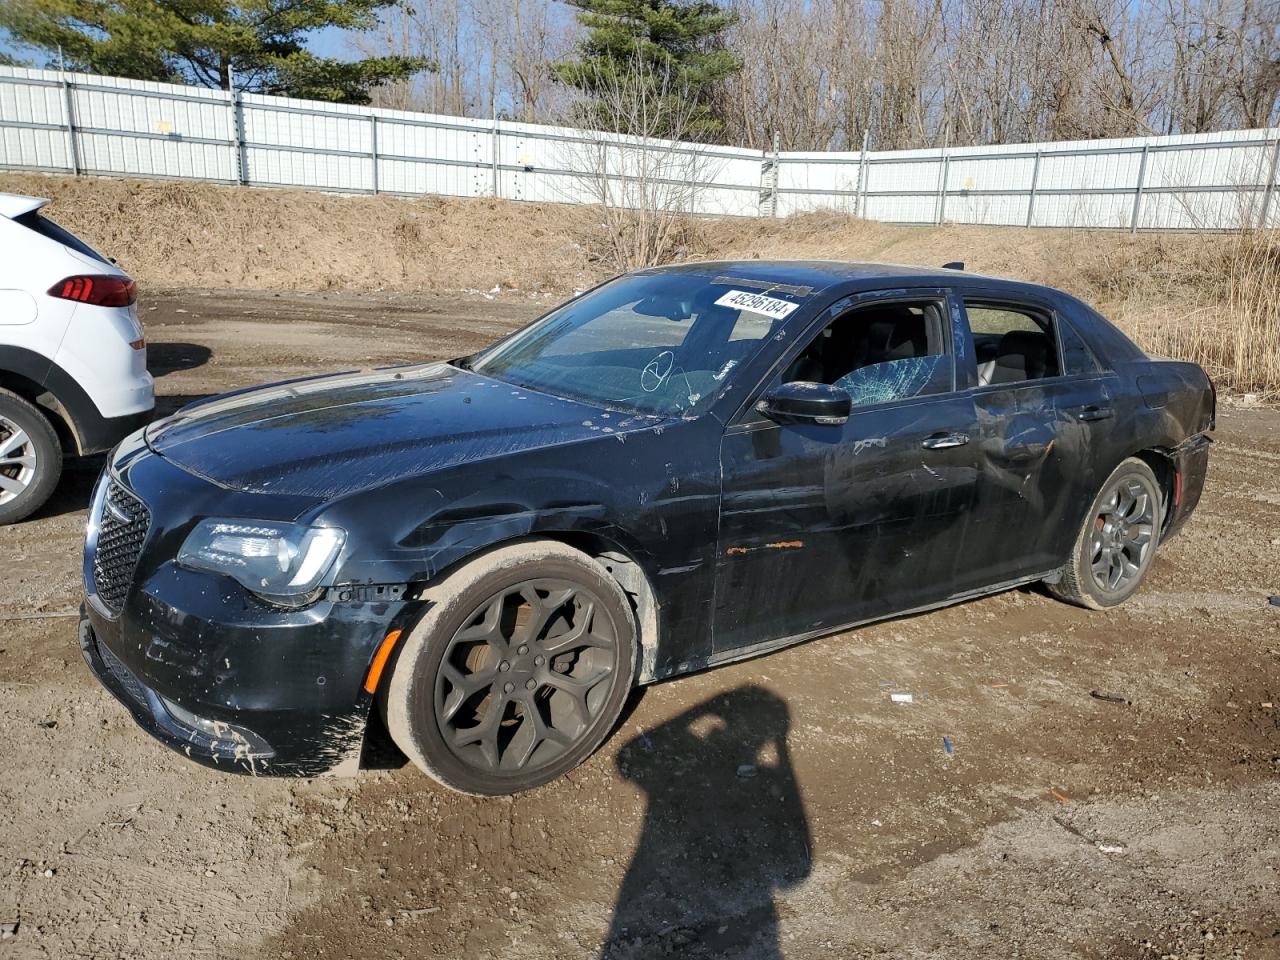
<point>661,343</point>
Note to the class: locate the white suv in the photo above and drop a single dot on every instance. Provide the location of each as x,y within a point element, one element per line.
<point>73,362</point>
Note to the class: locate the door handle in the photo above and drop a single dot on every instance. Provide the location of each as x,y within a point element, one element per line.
<point>1093,412</point>
<point>944,441</point>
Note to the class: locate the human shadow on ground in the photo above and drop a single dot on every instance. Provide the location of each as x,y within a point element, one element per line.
<point>725,830</point>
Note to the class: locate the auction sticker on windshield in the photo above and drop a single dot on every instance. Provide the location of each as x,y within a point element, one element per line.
<point>757,303</point>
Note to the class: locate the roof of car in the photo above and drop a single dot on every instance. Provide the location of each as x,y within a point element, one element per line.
<point>15,204</point>
<point>820,274</point>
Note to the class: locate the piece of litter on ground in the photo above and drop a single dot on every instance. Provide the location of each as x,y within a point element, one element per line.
<point>747,770</point>
<point>901,698</point>
<point>1274,600</point>
<point>946,745</point>
<point>1267,705</point>
<point>1111,847</point>
<point>1108,697</point>
<point>998,686</point>
<point>419,911</point>
<point>8,929</point>
<point>887,683</point>
<point>876,823</point>
<point>1060,797</point>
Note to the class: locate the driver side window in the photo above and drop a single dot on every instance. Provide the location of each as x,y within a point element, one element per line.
<point>880,352</point>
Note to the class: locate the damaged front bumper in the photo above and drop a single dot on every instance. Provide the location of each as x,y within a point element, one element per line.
<point>208,669</point>
<point>251,712</point>
<point>209,741</point>
<point>302,739</point>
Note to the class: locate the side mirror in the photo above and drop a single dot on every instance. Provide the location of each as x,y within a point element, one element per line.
<point>804,402</point>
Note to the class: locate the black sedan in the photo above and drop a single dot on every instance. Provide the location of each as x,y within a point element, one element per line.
<point>682,467</point>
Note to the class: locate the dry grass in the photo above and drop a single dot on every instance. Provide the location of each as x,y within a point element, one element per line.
<point>170,234</point>
<point>1211,298</point>
<point>1232,328</point>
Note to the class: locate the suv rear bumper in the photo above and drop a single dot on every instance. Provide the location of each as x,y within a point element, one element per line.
<point>95,433</point>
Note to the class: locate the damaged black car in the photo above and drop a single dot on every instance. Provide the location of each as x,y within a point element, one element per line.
<point>685,466</point>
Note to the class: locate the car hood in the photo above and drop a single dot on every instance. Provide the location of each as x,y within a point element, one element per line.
<point>330,436</point>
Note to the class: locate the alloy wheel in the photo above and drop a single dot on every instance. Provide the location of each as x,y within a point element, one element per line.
<point>1123,534</point>
<point>525,678</point>
<point>17,461</point>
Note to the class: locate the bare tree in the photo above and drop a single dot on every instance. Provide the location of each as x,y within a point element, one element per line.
<point>644,177</point>
<point>921,73</point>
<point>911,73</point>
<point>493,55</point>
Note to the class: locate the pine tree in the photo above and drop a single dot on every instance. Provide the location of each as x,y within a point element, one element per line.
<point>680,43</point>
<point>257,44</point>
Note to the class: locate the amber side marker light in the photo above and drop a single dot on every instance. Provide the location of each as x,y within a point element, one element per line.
<point>380,660</point>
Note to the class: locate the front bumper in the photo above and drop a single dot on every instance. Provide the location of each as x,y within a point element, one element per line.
<point>285,741</point>
<point>237,749</point>
<point>212,672</point>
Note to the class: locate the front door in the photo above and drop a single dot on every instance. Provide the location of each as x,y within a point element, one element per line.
<point>822,526</point>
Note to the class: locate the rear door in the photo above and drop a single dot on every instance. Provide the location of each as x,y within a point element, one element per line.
<point>1041,400</point>
<point>826,525</point>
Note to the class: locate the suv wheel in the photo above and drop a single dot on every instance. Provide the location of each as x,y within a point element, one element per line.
<point>30,458</point>
<point>1117,541</point>
<point>517,671</point>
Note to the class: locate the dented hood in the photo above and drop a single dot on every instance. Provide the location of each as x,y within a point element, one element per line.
<point>334,435</point>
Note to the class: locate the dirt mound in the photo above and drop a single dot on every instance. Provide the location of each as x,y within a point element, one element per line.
<point>1214,299</point>
<point>169,235</point>
<point>172,234</point>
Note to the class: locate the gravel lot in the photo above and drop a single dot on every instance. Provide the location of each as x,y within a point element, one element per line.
<point>780,807</point>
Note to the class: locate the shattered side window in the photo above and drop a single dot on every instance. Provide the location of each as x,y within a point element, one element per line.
<point>881,352</point>
<point>896,380</point>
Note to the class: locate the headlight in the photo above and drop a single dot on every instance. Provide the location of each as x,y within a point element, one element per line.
<point>284,562</point>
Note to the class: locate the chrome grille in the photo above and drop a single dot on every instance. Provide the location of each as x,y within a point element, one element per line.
<point>121,530</point>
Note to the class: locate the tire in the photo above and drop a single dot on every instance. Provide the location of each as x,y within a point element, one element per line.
<point>492,693</point>
<point>1119,536</point>
<point>30,458</point>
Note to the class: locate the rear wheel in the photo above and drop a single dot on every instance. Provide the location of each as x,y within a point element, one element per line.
<point>516,673</point>
<point>1117,541</point>
<point>30,458</point>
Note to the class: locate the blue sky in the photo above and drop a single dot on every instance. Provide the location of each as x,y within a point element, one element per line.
<point>329,42</point>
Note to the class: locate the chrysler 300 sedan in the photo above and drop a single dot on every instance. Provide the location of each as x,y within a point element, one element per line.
<point>685,466</point>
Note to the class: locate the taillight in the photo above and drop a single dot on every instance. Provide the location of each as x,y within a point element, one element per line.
<point>105,290</point>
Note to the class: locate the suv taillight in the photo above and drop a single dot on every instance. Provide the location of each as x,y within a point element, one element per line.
<point>101,290</point>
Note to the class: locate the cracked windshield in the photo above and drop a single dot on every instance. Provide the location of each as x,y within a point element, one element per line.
<point>660,344</point>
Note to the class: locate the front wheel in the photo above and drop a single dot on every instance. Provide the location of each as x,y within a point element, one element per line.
<point>30,458</point>
<point>517,671</point>
<point>1117,541</point>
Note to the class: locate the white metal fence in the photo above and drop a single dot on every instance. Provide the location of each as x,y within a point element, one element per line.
<point>78,123</point>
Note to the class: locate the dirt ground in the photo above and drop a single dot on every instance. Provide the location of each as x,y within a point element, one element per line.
<point>783,807</point>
